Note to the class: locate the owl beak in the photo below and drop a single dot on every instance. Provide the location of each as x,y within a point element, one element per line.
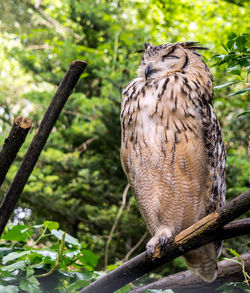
<point>148,70</point>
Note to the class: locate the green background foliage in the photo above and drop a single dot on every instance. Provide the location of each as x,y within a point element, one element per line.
<point>80,184</point>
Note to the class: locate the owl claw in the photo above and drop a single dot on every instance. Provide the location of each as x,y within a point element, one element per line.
<point>152,246</point>
<point>150,250</point>
<point>163,240</point>
<point>156,243</point>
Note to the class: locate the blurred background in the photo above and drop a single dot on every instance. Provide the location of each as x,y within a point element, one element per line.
<point>78,180</point>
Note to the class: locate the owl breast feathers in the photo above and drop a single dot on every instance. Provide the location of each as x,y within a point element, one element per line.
<point>172,149</point>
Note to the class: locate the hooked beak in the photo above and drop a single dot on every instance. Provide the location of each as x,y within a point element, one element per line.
<point>150,70</point>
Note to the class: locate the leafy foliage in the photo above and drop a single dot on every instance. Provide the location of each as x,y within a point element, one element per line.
<point>28,265</point>
<point>237,59</point>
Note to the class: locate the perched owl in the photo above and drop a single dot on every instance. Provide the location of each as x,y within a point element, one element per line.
<point>172,149</point>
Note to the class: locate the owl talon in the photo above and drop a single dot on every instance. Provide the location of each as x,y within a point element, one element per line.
<point>152,246</point>
<point>150,250</point>
<point>163,240</point>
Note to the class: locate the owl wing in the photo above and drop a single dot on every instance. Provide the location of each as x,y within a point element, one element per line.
<point>215,148</point>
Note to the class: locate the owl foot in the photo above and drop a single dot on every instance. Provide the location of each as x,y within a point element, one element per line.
<point>163,236</point>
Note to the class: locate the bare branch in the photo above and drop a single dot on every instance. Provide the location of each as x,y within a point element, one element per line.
<point>83,147</point>
<point>124,196</point>
<point>135,247</point>
<point>51,22</point>
<point>187,282</point>
<point>207,230</point>
<point>63,92</point>
<point>13,144</point>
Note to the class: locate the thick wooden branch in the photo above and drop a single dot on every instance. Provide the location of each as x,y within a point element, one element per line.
<point>63,92</point>
<point>12,144</point>
<point>187,282</point>
<point>206,230</point>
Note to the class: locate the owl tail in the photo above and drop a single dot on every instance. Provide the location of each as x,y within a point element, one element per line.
<point>203,262</point>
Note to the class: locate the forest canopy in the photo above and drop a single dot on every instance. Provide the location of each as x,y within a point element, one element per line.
<point>78,181</point>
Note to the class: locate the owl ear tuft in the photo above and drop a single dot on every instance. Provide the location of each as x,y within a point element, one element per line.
<point>193,45</point>
<point>147,46</point>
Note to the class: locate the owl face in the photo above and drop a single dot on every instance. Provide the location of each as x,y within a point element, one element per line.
<point>160,60</point>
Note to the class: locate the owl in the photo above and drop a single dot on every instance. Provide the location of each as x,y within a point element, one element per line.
<point>172,149</point>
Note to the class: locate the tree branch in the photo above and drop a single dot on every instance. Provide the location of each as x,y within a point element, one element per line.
<point>52,22</point>
<point>187,282</point>
<point>63,92</point>
<point>13,143</point>
<point>207,230</point>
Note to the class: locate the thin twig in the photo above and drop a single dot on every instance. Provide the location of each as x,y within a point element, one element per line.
<point>124,195</point>
<point>51,22</point>
<point>135,247</point>
<point>83,147</point>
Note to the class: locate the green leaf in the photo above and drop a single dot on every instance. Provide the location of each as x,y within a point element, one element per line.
<point>239,92</point>
<point>14,255</point>
<point>14,266</point>
<point>235,253</point>
<point>29,272</point>
<point>230,44</point>
<point>234,285</point>
<point>46,254</point>
<point>224,47</point>
<point>33,280</point>
<point>9,289</point>
<point>124,289</point>
<point>4,251</point>
<point>235,70</point>
<point>88,258</point>
<point>112,267</point>
<point>38,226</point>
<point>225,84</point>
<point>17,233</point>
<point>29,287</point>
<point>51,225</point>
<point>77,285</point>
<point>243,113</point>
<point>240,42</point>
<point>69,239</point>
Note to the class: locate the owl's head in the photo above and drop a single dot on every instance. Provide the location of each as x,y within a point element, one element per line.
<point>160,60</point>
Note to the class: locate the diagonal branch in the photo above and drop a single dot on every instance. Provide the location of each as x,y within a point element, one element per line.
<point>187,282</point>
<point>126,257</point>
<point>13,144</point>
<point>63,92</point>
<point>207,230</point>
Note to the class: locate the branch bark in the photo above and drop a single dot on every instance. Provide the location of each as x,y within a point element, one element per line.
<point>207,230</point>
<point>13,143</point>
<point>63,92</point>
<point>187,282</point>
